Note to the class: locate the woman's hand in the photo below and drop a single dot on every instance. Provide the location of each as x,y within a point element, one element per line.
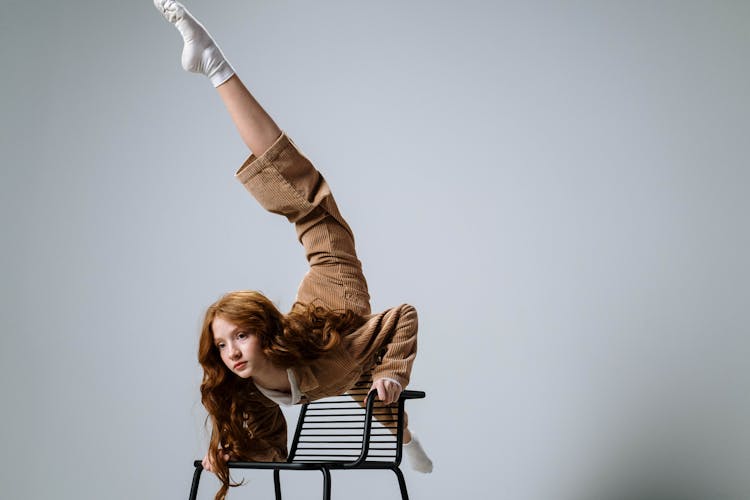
<point>208,465</point>
<point>388,390</point>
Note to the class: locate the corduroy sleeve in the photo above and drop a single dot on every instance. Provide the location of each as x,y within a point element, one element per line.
<point>285,182</point>
<point>401,349</point>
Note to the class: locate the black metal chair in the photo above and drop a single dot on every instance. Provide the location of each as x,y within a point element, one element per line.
<point>340,433</point>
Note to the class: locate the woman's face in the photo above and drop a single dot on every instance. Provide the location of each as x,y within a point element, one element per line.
<point>239,349</point>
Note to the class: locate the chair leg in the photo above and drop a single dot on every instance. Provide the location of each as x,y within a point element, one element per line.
<point>196,480</point>
<point>277,484</point>
<point>401,482</point>
<point>326,483</point>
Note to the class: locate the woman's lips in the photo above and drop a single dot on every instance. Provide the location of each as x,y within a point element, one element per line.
<point>240,365</point>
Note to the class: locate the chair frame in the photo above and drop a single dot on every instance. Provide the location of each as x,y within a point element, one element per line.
<point>326,466</point>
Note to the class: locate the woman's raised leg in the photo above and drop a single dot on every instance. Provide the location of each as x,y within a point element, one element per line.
<point>201,54</point>
<point>256,127</point>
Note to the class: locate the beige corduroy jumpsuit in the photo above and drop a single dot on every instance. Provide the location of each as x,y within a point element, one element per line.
<point>284,181</point>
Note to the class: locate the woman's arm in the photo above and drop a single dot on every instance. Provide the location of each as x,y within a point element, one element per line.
<point>395,347</point>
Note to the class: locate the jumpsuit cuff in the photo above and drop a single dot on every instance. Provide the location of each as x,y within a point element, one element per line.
<point>254,164</point>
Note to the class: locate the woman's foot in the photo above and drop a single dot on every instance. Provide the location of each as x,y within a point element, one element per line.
<point>200,53</point>
<point>415,454</point>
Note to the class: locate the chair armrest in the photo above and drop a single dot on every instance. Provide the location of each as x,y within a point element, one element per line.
<point>371,397</point>
<point>412,394</point>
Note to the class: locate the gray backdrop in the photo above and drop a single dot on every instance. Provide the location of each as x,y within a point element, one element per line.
<point>560,188</point>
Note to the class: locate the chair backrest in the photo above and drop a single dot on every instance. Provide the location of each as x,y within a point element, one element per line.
<point>344,429</point>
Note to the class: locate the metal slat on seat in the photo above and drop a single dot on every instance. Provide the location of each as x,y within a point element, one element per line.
<point>311,445</point>
<point>343,442</point>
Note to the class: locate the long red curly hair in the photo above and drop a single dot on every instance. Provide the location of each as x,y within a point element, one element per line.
<point>304,334</point>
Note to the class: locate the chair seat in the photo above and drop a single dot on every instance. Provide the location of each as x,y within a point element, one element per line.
<point>340,435</point>
<point>306,465</point>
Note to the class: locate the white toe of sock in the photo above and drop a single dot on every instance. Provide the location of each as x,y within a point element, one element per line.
<point>171,10</point>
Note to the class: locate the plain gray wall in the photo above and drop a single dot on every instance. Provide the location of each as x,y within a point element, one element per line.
<point>560,188</point>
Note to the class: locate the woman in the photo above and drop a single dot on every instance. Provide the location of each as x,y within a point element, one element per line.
<point>254,357</point>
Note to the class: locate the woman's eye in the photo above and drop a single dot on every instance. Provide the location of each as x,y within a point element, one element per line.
<point>241,335</point>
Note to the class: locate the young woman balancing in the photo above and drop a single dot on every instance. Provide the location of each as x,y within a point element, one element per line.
<point>253,356</point>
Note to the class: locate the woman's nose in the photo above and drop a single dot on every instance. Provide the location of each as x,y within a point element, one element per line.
<point>235,353</point>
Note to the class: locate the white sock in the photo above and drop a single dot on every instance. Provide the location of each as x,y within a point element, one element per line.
<point>200,54</point>
<point>416,455</point>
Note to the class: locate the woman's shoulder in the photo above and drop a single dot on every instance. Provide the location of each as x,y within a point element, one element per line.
<point>385,322</point>
<point>393,312</point>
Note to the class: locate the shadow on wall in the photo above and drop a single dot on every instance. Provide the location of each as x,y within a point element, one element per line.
<point>660,481</point>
